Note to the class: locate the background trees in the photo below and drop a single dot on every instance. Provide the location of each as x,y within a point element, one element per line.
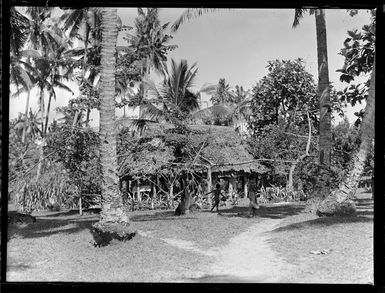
<point>222,94</point>
<point>279,106</point>
<point>284,96</point>
<point>284,108</point>
<point>174,93</point>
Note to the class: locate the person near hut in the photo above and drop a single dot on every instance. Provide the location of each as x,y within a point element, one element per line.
<point>252,193</point>
<point>217,196</point>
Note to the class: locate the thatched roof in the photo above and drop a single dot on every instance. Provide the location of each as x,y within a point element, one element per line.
<point>161,149</point>
<point>219,111</point>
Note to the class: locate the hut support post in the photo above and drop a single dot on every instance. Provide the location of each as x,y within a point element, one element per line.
<point>80,205</point>
<point>138,191</point>
<point>209,183</point>
<point>158,183</point>
<point>153,195</point>
<point>170,195</point>
<point>245,186</point>
<point>232,188</point>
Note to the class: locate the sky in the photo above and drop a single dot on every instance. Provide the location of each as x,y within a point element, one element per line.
<point>236,44</point>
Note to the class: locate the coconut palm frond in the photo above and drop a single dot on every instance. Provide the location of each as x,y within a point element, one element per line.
<point>73,21</point>
<point>189,14</point>
<point>299,13</point>
<point>19,91</point>
<point>18,30</point>
<point>62,86</point>
<point>19,76</point>
<point>150,112</point>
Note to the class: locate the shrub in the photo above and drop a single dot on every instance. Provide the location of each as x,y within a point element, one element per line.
<point>275,194</point>
<point>53,189</point>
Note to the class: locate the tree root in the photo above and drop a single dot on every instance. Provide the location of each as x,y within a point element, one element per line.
<point>330,207</point>
<point>104,233</point>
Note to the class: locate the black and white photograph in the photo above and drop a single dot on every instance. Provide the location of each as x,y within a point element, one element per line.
<point>191,145</point>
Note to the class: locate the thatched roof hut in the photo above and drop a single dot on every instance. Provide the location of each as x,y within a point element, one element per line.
<point>162,149</point>
<point>216,114</point>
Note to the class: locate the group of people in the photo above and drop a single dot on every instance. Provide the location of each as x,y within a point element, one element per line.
<point>252,195</point>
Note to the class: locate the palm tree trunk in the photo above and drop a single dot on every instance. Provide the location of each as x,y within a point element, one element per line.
<point>87,34</point>
<point>41,101</point>
<point>41,147</point>
<point>348,186</point>
<point>26,116</point>
<point>47,114</point>
<point>88,117</point>
<point>325,139</point>
<point>112,201</point>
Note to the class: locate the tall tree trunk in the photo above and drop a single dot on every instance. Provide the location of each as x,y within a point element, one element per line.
<point>41,147</point>
<point>299,159</point>
<point>112,201</point>
<point>41,160</point>
<point>325,135</point>
<point>184,206</point>
<point>88,117</point>
<point>347,188</point>
<point>291,174</point>
<point>41,101</point>
<point>47,113</point>
<point>87,34</point>
<point>76,118</point>
<point>26,116</point>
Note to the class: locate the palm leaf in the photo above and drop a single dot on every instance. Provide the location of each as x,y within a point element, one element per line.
<point>189,14</point>
<point>63,86</point>
<point>298,15</point>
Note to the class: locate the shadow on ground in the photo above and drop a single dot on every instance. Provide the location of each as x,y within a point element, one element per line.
<point>266,211</point>
<point>18,267</point>
<point>322,222</point>
<point>364,214</point>
<point>50,223</point>
<point>160,216</point>
<point>222,279</point>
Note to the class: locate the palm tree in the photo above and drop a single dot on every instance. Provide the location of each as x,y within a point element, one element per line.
<point>112,202</point>
<point>149,42</point>
<point>88,20</point>
<point>323,90</point>
<point>174,93</point>
<point>30,125</point>
<point>223,95</point>
<point>340,200</point>
<point>19,76</point>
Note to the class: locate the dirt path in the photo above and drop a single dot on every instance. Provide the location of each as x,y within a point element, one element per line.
<point>246,258</point>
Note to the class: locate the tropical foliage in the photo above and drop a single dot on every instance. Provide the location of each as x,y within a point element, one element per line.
<point>223,94</point>
<point>358,51</point>
<point>284,96</point>
<point>174,95</point>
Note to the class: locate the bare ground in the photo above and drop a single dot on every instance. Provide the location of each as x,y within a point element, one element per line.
<point>274,247</point>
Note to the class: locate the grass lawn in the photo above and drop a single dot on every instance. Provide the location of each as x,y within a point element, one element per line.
<point>349,239</point>
<point>168,248</point>
<point>59,247</point>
